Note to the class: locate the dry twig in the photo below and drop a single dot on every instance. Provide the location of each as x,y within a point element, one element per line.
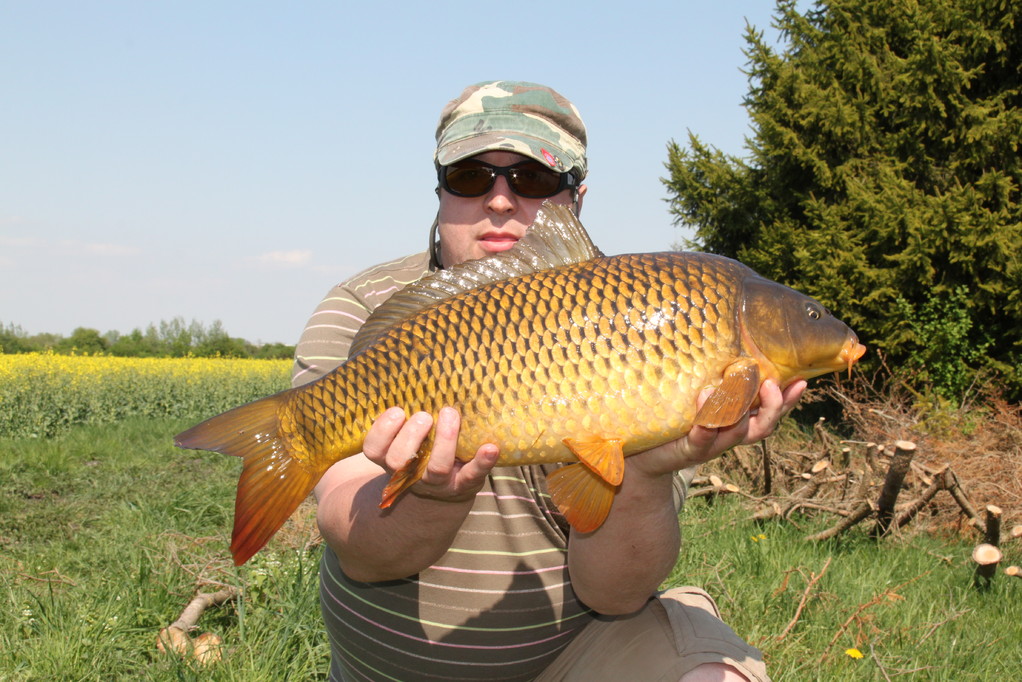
<point>886,595</point>
<point>813,579</point>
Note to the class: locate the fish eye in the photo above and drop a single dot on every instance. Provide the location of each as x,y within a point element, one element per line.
<point>813,311</point>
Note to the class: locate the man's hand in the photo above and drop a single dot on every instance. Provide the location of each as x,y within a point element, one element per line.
<point>374,544</point>
<point>703,444</point>
<point>393,440</point>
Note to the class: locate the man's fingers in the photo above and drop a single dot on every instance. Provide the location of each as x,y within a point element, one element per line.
<point>406,443</point>
<point>381,434</point>
<point>445,444</point>
<point>479,466</point>
<point>792,394</point>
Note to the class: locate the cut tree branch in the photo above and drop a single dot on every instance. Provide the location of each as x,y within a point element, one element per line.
<point>938,483</point>
<point>863,510</point>
<point>206,647</point>
<point>987,557</point>
<point>903,452</point>
<point>992,532</point>
<point>955,488</point>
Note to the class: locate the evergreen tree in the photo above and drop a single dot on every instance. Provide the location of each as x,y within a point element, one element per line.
<point>883,177</point>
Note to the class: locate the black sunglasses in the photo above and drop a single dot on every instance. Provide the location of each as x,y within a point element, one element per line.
<point>530,179</point>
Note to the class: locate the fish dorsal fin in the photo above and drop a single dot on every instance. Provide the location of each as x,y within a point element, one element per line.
<point>556,238</point>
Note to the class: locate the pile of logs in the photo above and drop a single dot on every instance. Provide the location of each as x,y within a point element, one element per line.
<point>855,482</point>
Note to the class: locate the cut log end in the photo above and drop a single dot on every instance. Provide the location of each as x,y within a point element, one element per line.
<point>207,648</point>
<point>986,554</point>
<point>174,640</point>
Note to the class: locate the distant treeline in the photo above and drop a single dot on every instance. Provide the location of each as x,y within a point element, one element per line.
<point>168,339</point>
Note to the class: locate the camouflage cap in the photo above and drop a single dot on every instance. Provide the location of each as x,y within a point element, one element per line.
<point>526,118</point>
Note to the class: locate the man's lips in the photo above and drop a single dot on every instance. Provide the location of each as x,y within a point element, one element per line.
<point>497,242</point>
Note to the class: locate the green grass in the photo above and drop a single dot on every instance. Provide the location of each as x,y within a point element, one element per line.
<point>104,531</point>
<point>908,604</point>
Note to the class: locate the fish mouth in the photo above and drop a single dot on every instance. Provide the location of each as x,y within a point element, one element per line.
<point>850,353</point>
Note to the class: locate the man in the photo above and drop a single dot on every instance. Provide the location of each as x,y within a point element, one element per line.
<point>475,574</point>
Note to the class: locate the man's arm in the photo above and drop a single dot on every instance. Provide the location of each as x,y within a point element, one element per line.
<point>616,568</point>
<point>374,544</point>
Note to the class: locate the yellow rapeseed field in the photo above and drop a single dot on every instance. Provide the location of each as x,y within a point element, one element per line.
<point>42,394</point>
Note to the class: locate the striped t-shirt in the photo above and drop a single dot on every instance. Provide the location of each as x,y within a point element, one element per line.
<point>498,605</point>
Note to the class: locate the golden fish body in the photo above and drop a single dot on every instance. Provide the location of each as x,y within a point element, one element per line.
<point>610,348</point>
<point>585,362</point>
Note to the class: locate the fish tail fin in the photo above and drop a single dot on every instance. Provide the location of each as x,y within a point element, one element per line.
<point>273,480</point>
<point>403,479</point>
<point>582,496</point>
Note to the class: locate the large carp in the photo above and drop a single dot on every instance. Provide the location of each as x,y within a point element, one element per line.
<point>551,351</point>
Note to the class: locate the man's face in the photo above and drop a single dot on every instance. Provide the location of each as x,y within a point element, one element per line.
<point>475,227</point>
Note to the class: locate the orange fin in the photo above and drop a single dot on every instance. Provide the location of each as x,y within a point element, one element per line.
<point>403,479</point>
<point>273,482</point>
<point>733,398</point>
<point>603,455</point>
<point>582,496</point>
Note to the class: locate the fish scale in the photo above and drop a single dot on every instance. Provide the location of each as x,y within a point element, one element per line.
<point>531,361</point>
<point>584,362</point>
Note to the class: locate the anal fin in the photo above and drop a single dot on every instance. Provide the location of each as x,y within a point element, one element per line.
<point>604,456</point>
<point>582,496</point>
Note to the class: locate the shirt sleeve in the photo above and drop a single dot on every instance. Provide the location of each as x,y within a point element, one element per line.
<point>330,330</point>
<point>328,334</point>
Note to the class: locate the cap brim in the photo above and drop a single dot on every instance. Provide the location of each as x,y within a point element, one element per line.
<point>555,157</point>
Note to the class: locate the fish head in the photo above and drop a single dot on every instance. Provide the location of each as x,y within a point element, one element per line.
<point>796,335</point>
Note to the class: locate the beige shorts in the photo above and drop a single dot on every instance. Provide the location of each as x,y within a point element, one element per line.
<point>677,631</point>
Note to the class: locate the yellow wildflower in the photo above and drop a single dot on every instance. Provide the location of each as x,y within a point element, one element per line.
<point>853,653</point>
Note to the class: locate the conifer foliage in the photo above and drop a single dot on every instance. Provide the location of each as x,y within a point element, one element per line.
<point>883,176</point>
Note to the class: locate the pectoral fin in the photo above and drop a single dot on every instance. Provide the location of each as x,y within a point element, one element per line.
<point>733,398</point>
<point>603,456</point>
<point>403,479</point>
<point>582,496</point>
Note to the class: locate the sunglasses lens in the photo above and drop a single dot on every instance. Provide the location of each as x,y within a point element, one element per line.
<point>468,179</point>
<point>533,180</point>
<point>529,179</point>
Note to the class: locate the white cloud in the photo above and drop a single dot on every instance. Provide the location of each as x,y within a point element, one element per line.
<point>285,259</point>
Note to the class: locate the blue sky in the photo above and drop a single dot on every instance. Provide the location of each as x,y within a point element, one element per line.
<point>233,160</point>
